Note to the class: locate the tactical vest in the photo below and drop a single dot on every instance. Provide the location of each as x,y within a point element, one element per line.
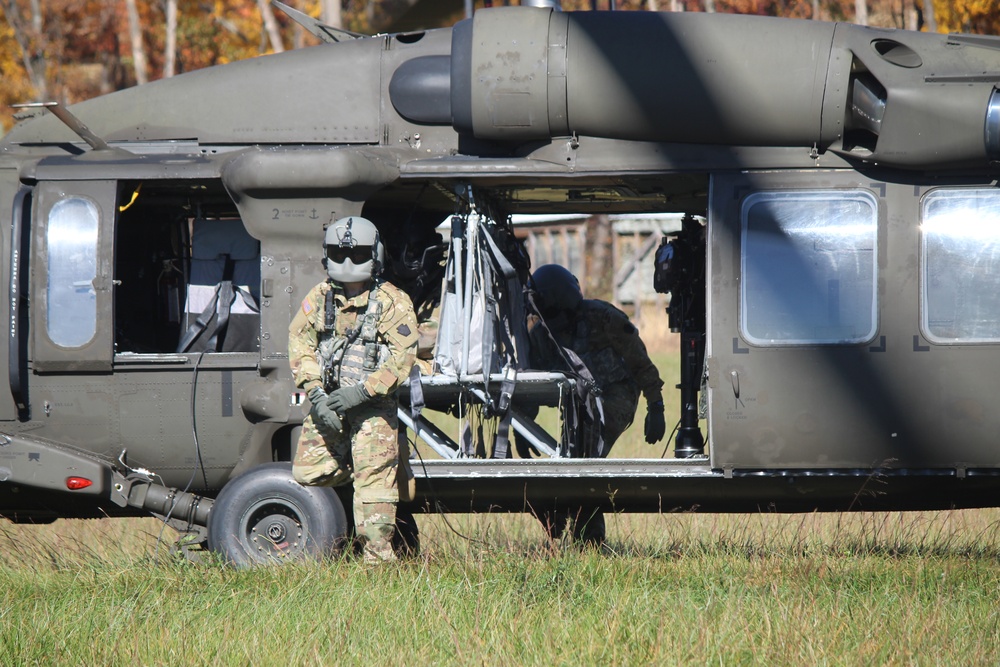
<point>349,359</point>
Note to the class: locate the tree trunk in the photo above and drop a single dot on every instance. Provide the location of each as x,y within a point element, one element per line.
<point>138,52</point>
<point>271,26</point>
<point>330,13</point>
<point>30,41</point>
<point>929,20</point>
<point>861,12</point>
<point>170,48</point>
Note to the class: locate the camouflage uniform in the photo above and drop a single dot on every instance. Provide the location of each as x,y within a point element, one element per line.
<point>609,345</point>
<point>366,450</point>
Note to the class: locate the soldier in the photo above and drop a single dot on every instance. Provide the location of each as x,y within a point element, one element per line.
<point>609,346</point>
<point>350,346</point>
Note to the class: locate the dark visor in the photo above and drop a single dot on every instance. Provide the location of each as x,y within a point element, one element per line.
<point>358,254</point>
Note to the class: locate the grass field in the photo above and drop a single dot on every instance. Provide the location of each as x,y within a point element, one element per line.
<point>675,589</point>
<point>685,589</point>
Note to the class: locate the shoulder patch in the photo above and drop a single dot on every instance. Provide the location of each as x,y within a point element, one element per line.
<point>306,306</point>
<point>403,330</point>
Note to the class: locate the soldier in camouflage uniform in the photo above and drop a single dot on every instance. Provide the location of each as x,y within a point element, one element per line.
<point>609,346</point>
<point>351,344</point>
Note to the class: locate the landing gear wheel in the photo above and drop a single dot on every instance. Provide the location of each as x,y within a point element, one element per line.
<point>265,517</point>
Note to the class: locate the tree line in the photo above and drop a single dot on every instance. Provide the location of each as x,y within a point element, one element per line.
<point>71,50</point>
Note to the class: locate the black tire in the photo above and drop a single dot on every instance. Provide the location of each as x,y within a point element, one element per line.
<point>265,517</point>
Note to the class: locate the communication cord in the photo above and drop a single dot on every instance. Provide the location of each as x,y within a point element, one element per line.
<point>199,463</point>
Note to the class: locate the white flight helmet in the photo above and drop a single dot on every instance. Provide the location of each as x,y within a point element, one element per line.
<point>353,249</point>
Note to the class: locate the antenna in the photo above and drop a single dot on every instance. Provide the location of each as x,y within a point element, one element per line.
<point>327,33</point>
<point>71,121</point>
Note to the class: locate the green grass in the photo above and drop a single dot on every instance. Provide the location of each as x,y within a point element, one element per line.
<point>674,589</point>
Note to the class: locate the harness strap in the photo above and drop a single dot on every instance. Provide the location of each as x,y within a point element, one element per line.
<point>501,445</point>
<point>226,297</point>
<point>416,393</point>
<point>200,323</point>
<point>366,329</point>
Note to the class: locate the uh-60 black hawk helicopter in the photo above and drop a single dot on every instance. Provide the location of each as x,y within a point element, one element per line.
<point>836,284</point>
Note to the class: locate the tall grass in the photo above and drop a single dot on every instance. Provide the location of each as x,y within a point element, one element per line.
<point>673,589</point>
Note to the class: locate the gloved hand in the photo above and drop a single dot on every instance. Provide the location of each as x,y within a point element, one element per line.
<point>655,427</point>
<point>343,399</point>
<point>325,418</point>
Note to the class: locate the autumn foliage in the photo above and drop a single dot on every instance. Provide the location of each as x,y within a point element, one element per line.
<point>70,50</point>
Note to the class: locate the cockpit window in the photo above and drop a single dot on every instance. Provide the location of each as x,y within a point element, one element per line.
<point>808,268</point>
<point>71,240</point>
<point>960,268</point>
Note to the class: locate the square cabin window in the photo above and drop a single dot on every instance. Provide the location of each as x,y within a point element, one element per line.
<point>960,267</point>
<point>808,268</point>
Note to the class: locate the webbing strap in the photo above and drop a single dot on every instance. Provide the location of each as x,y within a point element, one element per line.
<point>366,329</point>
<point>224,305</point>
<point>199,324</point>
<point>512,310</point>
<point>416,393</point>
<point>501,445</point>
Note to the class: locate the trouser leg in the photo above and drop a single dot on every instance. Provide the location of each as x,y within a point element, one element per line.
<point>376,460</point>
<point>375,524</point>
<point>321,459</point>
<point>620,402</point>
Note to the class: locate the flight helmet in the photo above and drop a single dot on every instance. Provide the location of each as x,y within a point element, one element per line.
<point>553,289</point>
<point>353,250</point>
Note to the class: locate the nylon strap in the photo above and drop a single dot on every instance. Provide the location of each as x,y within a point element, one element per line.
<point>416,393</point>
<point>501,446</point>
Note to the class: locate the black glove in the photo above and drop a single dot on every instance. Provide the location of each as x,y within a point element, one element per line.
<point>343,399</point>
<point>655,427</point>
<point>323,416</point>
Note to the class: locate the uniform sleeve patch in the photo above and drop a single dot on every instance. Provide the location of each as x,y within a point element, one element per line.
<point>403,330</point>
<point>306,306</point>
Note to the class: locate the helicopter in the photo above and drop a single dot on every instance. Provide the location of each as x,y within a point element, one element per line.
<point>835,283</point>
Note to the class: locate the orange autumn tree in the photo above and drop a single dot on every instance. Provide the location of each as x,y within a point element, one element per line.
<point>975,16</point>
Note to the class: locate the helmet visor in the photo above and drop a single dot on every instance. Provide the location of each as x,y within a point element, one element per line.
<point>358,254</point>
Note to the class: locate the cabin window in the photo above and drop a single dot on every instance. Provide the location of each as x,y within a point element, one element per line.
<point>960,276</point>
<point>808,267</point>
<point>71,240</point>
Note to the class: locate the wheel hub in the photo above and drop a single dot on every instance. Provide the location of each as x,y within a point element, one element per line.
<point>276,531</point>
<point>273,529</point>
